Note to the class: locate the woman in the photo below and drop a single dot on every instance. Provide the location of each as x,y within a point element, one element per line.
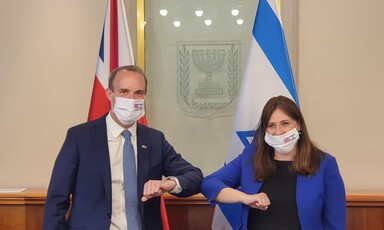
<point>284,181</point>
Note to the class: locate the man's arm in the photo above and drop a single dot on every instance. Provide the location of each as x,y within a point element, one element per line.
<point>177,168</point>
<point>60,187</point>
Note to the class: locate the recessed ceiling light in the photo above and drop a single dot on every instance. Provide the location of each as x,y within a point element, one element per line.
<point>176,23</point>
<point>208,22</point>
<point>163,12</point>
<point>235,12</point>
<point>199,13</point>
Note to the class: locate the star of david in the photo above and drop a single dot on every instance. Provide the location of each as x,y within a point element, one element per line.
<point>246,137</point>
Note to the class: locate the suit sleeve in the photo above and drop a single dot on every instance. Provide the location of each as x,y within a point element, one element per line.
<point>61,185</point>
<point>189,176</point>
<point>334,211</point>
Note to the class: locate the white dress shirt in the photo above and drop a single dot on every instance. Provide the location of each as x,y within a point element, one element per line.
<point>115,145</point>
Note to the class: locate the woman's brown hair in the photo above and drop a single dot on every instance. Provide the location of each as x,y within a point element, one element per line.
<point>307,159</point>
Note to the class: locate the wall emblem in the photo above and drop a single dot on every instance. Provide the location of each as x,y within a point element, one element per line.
<point>208,77</point>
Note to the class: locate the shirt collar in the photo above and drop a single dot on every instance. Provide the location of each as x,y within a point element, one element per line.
<point>115,129</point>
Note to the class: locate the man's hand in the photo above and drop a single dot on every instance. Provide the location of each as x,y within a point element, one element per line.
<point>154,188</point>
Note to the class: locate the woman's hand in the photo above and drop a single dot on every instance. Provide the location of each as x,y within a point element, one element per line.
<point>259,201</point>
<point>230,195</point>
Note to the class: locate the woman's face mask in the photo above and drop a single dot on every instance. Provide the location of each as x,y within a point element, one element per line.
<point>284,143</point>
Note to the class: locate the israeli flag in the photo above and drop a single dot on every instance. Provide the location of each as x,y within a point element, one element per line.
<point>267,74</point>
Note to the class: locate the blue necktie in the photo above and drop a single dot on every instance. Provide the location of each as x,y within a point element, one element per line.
<point>130,184</point>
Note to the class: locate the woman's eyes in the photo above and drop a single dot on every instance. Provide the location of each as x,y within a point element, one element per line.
<point>284,124</point>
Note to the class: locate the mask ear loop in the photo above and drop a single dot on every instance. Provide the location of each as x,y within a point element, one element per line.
<point>299,132</point>
<point>112,107</point>
<point>297,129</point>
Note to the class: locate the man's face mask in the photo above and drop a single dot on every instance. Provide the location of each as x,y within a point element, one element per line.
<point>128,111</point>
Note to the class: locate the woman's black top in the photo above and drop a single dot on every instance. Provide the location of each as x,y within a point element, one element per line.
<point>281,191</point>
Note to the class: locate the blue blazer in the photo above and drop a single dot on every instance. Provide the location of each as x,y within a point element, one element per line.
<point>82,171</point>
<point>321,200</point>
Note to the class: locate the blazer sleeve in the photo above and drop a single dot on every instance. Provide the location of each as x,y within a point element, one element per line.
<point>189,176</point>
<point>61,185</point>
<point>227,176</point>
<point>334,211</point>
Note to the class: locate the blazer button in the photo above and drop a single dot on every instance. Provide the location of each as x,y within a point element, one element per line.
<point>109,215</point>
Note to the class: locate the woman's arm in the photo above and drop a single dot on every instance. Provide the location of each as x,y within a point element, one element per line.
<point>334,211</point>
<point>230,195</point>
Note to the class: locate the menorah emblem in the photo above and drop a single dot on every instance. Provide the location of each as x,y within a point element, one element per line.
<point>208,61</point>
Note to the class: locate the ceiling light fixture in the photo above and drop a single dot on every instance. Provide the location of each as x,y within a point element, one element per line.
<point>163,12</point>
<point>199,13</point>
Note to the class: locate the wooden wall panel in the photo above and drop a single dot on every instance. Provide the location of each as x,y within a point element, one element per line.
<point>34,216</point>
<point>370,218</point>
<point>24,211</point>
<point>12,217</point>
<point>365,210</point>
<point>191,213</point>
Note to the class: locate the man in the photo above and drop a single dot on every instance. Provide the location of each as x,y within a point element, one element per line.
<point>90,172</point>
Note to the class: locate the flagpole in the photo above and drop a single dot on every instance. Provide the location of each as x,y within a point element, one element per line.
<point>141,62</point>
<point>140,34</point>
<point>268,73</point>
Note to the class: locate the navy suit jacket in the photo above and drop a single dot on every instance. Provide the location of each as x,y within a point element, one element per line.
<point>82,172</point>
<point>320,198</point>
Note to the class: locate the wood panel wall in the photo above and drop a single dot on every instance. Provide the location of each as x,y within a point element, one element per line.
<point>365,211</point>
<point>24,211</point>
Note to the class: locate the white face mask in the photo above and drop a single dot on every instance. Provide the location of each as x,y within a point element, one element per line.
<point>128,111</point>
<point>284,143</point>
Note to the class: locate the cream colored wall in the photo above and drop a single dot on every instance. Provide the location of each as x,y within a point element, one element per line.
<point>341,84</point>
<point>48,59</point>
<point>48,56</point>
